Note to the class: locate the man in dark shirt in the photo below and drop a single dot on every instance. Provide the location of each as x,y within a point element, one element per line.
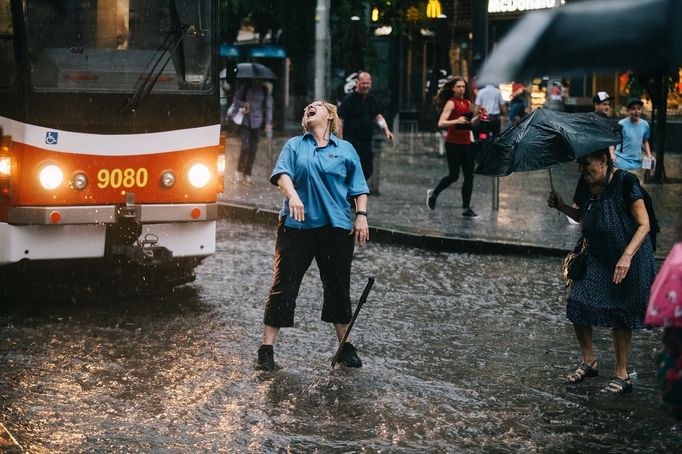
<point>358,113</point>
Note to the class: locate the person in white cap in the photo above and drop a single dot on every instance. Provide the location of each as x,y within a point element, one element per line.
<point>602,104</point>
<point>602,107</point>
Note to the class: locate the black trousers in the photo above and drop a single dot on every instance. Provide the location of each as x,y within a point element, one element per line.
<point>364,149</point>
<point>247,156</point>
<point>295,249</point>
<point>495,125</point>
<point>464,157</point>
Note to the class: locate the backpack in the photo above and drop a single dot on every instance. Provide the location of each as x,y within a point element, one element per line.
<point>628,181</point>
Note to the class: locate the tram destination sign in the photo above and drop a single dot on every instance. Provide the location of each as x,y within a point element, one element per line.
<point>513,6</point>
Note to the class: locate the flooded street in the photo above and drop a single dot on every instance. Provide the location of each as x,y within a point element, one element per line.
<point>461,352</point>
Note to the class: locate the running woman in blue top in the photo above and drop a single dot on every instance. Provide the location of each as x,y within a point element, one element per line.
<point>318,173</point>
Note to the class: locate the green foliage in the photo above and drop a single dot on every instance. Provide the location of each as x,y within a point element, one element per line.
<point>644,85</point>
<point>232,12</point>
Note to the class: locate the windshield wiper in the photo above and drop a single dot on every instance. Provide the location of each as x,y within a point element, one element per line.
<point>160,60</point>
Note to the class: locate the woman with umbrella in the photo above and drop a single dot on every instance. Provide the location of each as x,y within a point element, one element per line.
<point>254,101</point>
<point>614,290</point>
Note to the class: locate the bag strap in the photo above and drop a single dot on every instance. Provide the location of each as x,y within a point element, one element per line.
<point>628,183</point>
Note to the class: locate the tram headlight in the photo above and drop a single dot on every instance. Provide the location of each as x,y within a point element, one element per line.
<point>5,166</point>
<point>199,175</point>
<point>51,176</point>
<point>80,180</point>
<point>167,179</point>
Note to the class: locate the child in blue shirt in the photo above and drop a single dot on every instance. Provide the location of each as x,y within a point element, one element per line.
<point>635,138</point>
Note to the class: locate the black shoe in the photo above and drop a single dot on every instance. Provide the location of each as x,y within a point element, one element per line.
<point>469,213</point>
<point>266,358</point>
<point>430,199</point>
<point>349,357</point>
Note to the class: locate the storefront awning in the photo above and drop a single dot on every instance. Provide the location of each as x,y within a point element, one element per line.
<point>228,50</point>
<point>267,52</point>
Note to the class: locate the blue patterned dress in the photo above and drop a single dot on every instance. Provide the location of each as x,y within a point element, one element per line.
<point>608,226</point>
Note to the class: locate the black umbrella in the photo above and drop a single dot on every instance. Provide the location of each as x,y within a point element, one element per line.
<point>254,71</point>
<point>544,139</point>
<point>643,35</point>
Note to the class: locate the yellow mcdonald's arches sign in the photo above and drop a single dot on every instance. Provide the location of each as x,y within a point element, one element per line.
<point>433,9</point>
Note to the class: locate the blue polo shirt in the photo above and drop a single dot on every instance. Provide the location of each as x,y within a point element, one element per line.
<point>324,178</point>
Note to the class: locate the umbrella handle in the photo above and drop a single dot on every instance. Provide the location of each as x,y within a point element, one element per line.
<point>551,186</point>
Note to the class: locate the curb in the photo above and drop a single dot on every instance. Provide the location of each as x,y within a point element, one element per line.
<point>389,234</point>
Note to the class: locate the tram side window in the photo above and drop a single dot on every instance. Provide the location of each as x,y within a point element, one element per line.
<point>8,65</point>
<point>115,45</point>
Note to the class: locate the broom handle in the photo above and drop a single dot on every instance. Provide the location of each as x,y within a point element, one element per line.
<point>363,298</point>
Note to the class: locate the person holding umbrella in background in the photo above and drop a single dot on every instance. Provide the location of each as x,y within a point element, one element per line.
<point>614,289</point>
<point>254,101</point>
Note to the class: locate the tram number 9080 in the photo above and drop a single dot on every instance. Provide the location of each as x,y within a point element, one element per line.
<point>127,178</point>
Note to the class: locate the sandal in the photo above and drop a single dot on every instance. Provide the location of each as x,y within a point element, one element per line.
<point>583,371</point>
<point>618,386</point>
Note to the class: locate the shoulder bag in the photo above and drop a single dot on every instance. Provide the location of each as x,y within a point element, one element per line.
<point>575,263</point>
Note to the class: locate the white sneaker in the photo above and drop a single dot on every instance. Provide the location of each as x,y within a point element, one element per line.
<point>247,178</point>
<point>238,177</point>
<point>430,199</point>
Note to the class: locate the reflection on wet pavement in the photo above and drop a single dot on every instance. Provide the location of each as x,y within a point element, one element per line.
<point>462,352</point>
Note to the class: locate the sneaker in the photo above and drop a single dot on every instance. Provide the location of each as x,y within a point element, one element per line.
<point>266,358</point>
<point>238,177</point>
<point>247,178</point>
<point>349,356</point>
<point>469,213</point>
<point>430,199</point>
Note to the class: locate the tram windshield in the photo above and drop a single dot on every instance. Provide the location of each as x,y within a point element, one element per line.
<point>120,45</point>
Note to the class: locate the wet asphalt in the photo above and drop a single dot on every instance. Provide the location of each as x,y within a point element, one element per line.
<point>462,353</point>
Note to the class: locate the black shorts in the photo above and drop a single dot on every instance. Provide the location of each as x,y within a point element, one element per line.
<point>332,249</point>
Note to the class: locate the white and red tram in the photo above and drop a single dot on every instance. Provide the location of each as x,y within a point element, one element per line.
<point>110,156</point>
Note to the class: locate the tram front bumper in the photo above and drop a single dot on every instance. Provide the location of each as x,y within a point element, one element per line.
<point>186,230</point>
<point>110,214</point>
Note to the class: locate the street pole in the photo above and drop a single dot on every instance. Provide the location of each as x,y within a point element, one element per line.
<point>321,48</point>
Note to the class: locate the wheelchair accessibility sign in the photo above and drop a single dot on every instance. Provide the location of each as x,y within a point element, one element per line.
<point>51,137</point>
